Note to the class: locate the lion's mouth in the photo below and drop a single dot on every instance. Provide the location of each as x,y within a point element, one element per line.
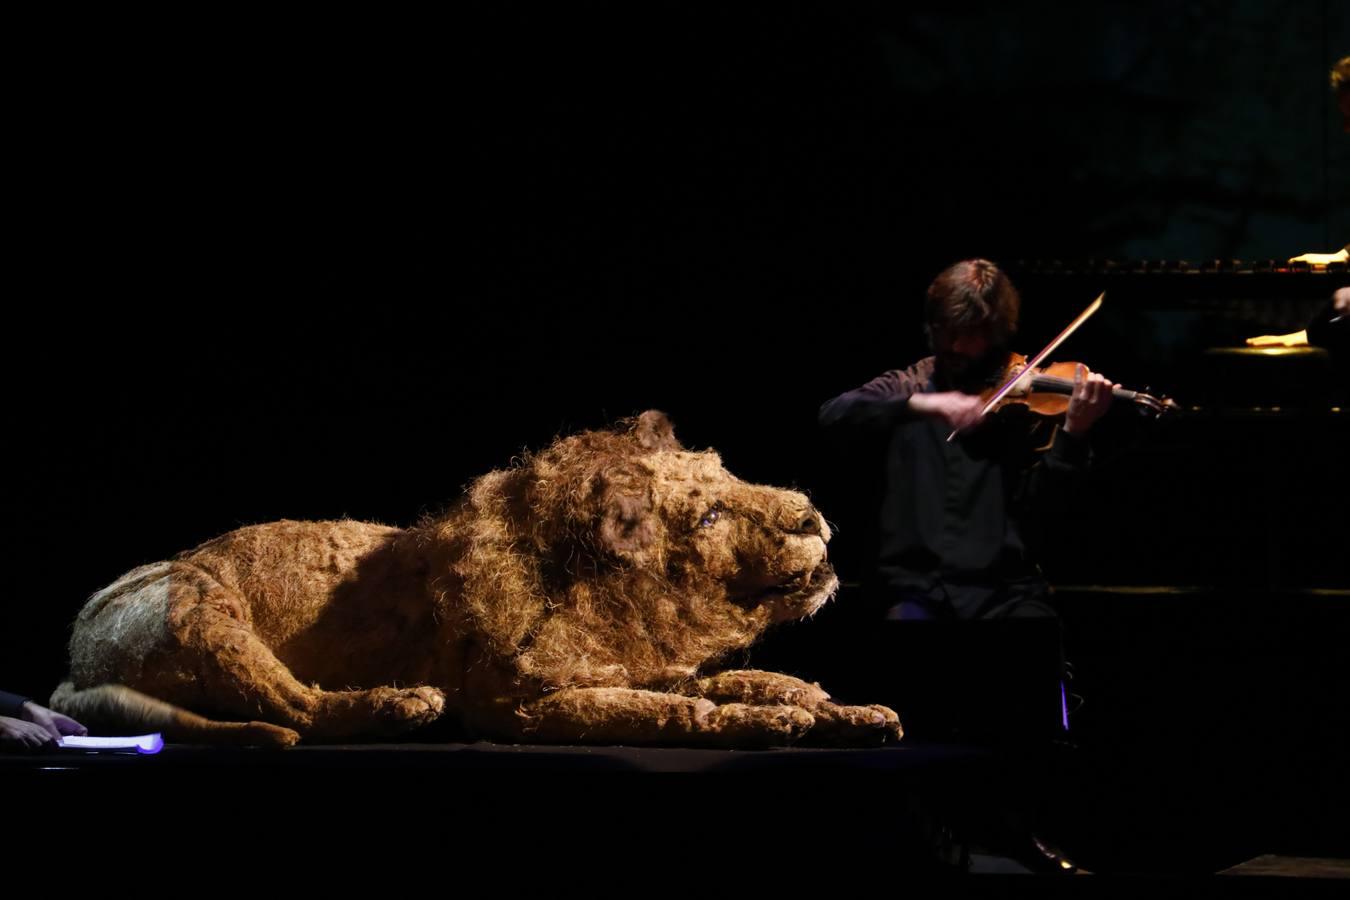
<point>800,595</point>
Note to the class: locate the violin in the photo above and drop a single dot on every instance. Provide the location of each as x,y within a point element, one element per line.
<point>1046,390</point>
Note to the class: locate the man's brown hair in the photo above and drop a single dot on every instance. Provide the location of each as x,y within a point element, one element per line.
<point>1340,75</point>
<point>972,296</point>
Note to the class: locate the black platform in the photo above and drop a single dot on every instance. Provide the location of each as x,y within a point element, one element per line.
<point>912,805</point>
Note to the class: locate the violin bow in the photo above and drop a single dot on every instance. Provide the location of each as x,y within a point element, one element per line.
<point>1039,357</point>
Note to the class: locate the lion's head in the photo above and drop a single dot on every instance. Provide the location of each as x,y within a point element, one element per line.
<point>621,557</point>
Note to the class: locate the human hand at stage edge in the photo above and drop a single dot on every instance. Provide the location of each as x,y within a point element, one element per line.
<point>1340,301</point>
<point>1293,339</point>
<point>18,736</point>
<point>53,723</point>
<point>956,409</point>
<point>1320,259</point>
<point>1090,400</point>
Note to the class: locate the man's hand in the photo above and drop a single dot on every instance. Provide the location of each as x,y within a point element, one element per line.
<point>1320,259</point>
<point>53,723</point>
<point>1293,339</point>
<point>1090,401</point>
<point>18,736</point>
<point>958,410</point>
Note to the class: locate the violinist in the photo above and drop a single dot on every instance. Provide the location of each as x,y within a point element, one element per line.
<point>955,524</point>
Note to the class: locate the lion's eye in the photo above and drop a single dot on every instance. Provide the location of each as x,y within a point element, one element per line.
<point>711,516</point>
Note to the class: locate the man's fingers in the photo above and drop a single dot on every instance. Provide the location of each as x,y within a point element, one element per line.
<point>37,737</point>
<point>67,725</point>
<point>43,720</point>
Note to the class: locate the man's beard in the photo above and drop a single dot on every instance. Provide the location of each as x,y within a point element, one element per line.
<point>971,376</point>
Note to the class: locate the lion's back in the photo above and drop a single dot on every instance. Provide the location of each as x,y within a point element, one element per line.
<point>287,572</point>
<point>279,577</point>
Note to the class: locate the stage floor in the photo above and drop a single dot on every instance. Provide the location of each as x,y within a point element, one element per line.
<point>515,757</point>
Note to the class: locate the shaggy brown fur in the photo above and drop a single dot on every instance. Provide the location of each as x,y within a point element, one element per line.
<point>578,596</point>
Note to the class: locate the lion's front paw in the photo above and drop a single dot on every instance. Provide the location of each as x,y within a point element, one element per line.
<point>741,725</point>
<point>407,708</point>
<point>894,730</point>
<point>758,688</point>
<point>855,725</point>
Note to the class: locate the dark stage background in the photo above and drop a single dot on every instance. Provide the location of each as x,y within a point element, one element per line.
<point>312,268</point>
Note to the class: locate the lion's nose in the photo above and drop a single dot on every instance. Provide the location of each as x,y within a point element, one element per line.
<point>809,523</point>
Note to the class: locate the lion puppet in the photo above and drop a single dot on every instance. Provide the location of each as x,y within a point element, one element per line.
<point>582,596</point>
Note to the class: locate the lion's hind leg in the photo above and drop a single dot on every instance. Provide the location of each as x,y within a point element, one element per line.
<point>244,677</point>
<point>117,708</point>
<point>195,647</point>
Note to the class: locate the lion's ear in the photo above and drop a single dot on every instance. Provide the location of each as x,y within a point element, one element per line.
<point>628,527</point>
<point>654,431</point>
